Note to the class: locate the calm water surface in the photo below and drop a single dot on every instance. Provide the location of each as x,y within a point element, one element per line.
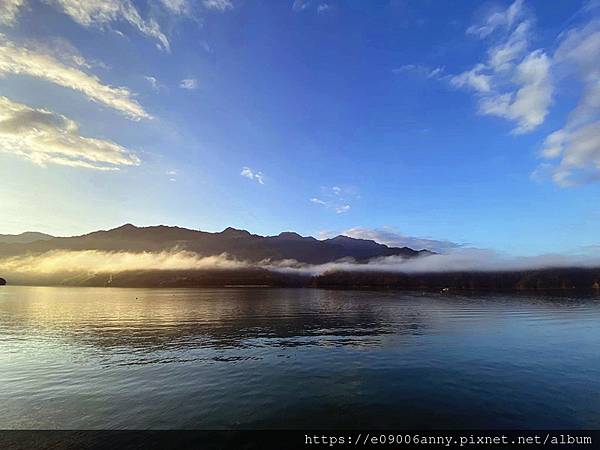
<point>293,358</point>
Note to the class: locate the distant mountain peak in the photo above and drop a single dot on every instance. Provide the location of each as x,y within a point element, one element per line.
<point>235,232</point>
<point>343,239</point>
<point>290,235</point>
<point>127,226</point>
<point>24,238</point>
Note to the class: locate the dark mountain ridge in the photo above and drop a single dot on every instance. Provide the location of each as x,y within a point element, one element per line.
<point>239,244</point>
<point>245,246</point>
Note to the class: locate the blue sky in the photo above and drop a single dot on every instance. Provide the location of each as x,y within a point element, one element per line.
<point>462,122</point>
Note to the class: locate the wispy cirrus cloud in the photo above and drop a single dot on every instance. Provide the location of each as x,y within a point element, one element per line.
<point>45,137</point>
<point>320,7</point>
<point>20,60</point>
<point>299,5</point>
<point>178,7</point>
<point>218,5</point>
<point>253,175</point>
<point>335,198</point>
<point>106,13</point>
<point>101,13</point>
<point>504,18</point>
<point>152,81</point>
<point>420,70</point>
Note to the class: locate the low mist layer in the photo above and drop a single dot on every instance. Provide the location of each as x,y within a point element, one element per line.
<point>89,262</point>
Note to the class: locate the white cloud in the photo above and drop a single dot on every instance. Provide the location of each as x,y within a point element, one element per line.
<point>189,83</point>
<point>473,79</point>
<point>513,83</point>
<point>179,7</point>
<point>153,82</point>
<point>24,61</point>
<point>252,175</point>
<point>172,175</point>
<point>420,70</point>
<point>393,238</point>
<point>45,137</point>
<point>335,198</point>
<point>9,10</point>
<point>300,5</point>
<point>498,19</point>
<point>576,146</point>
<point>502,56</point>
<point>100,13</point>
<point>528,106</point>
<point>322,8</point>
<point>218,5</point>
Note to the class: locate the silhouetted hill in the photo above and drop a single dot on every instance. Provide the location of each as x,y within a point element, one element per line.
<point>539,280</point>
<point>565,280</point>
<point>239,244</point>
<point>24,238</point>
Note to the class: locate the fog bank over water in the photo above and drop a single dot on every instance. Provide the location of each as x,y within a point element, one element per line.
<point>101,262</point>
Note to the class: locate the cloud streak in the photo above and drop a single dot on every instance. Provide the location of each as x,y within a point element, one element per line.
<point>45,137</point>
<point>218,5</point>
<point>16,60</point>
<point>100,13</point>
<point>90,262</point>
<point>392,238</point>
<point>335,198</point>
<point>93,261</point>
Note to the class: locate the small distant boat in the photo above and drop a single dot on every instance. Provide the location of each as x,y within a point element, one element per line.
<point>445,290</point>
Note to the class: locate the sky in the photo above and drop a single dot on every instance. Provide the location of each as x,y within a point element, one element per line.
<point>433,124</point>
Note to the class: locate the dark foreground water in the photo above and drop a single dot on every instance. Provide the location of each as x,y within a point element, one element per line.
<point>295,358</point>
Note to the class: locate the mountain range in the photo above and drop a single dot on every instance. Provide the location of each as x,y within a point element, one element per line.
<point>24,238</point>
<point>255,254</point>
<point>238,244</point>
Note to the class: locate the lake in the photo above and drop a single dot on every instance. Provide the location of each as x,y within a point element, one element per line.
<point>88,358</point>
